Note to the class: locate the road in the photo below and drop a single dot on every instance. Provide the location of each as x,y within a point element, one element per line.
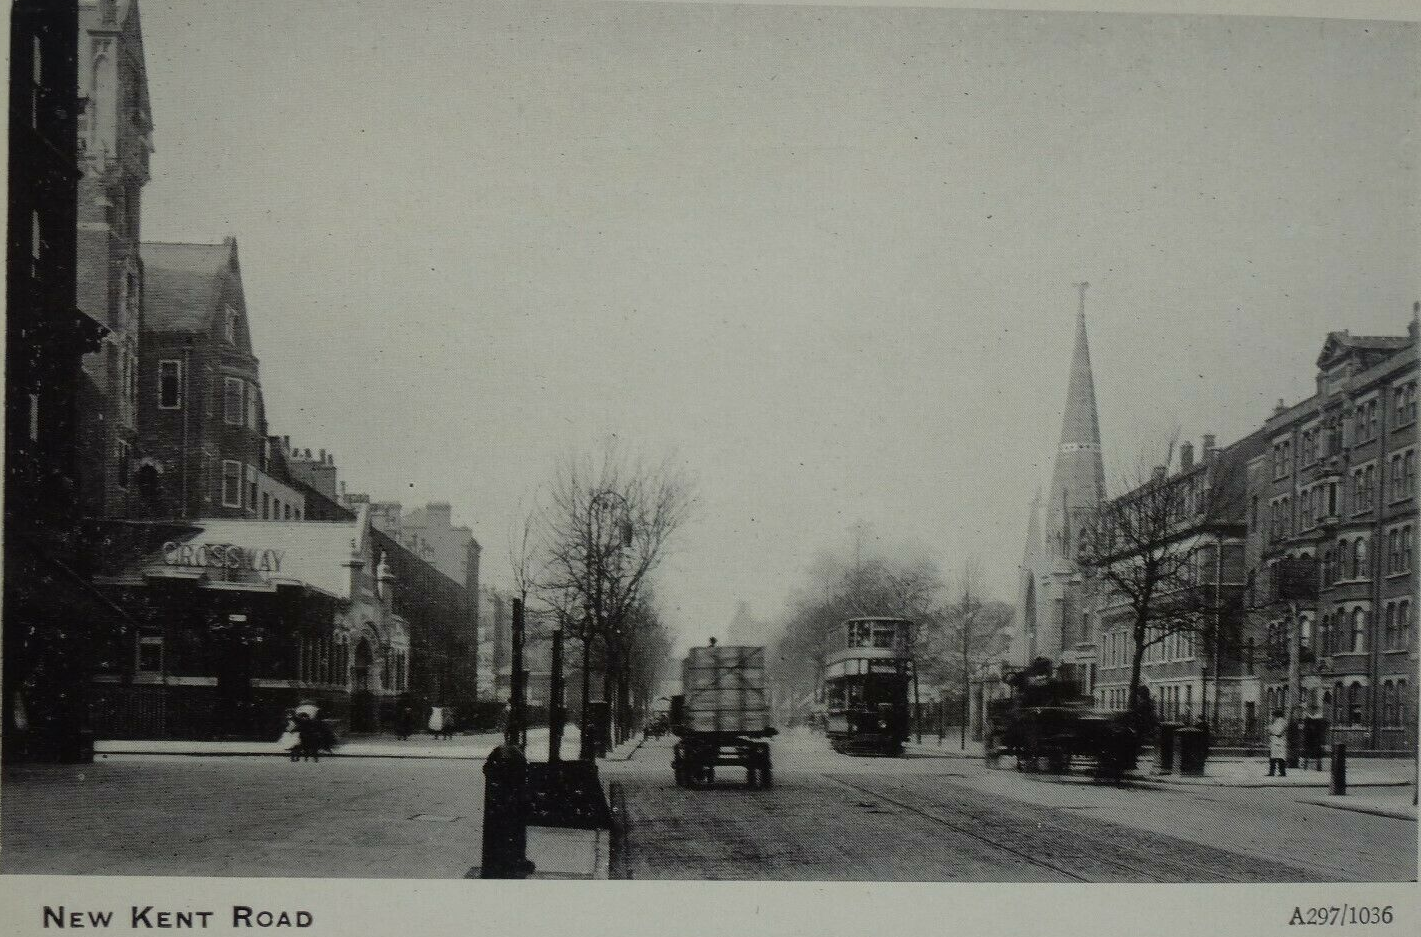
<point>941,818</point>
<point>829,817</point>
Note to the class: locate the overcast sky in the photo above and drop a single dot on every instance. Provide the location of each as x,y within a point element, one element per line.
<point>824,255</point>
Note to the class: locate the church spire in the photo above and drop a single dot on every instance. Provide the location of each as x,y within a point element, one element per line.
<point>1078,480</point>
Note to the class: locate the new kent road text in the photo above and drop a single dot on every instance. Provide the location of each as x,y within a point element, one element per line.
<point>147,917</point>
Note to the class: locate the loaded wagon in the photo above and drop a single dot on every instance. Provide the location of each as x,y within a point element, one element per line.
<point>722,716</point>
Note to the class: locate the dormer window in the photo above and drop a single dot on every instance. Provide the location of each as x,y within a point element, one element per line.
<point>233,320</point>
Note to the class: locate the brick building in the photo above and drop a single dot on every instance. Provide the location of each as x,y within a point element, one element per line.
<point>52,614</point>
<point>114,139</point>
<point>203,422</point>
<point>1198,664</point>
<point>1337,487</point>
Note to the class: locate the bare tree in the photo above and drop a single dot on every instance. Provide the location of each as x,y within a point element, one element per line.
<point>608,523</point>
<point>1143,548</point>
<point>975,630</point>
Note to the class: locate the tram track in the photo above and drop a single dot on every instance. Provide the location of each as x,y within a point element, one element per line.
<point>1084,848</point>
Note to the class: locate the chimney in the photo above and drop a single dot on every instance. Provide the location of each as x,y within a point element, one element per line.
<point>323,456</point>
<point>1279,407</point>
<point>1160,472</point>
<point>1411,326</point>
<point>1186,456</point>
<point>1211,451</point>
<point>286,443</point>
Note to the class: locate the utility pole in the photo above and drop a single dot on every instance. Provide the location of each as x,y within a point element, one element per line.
<point>514,735</point>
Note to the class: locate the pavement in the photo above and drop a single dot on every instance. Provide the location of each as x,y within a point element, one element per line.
<point>938,816</point>
<point>422,745</point>
<point>381,809</point>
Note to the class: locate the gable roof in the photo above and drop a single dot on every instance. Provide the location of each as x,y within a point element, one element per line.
<point>1339,343</point>
<point>182,284</point>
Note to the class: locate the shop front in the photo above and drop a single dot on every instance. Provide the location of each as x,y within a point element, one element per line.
<point>239,621</point>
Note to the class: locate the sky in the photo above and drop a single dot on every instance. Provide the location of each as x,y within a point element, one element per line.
<point>823,257</point>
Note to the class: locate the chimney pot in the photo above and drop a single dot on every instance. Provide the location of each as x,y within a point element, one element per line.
<point>323,455</point>
<point>1208,441</point>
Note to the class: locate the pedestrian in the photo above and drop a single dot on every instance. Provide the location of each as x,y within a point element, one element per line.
<point>290,740</point>
<point>309,733</point>
<point>438,722</point>
<point>1278,745</point>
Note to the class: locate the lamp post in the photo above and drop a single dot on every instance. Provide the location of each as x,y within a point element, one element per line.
<point>557,715</point>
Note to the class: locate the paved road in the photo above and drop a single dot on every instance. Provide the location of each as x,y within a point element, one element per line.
<point>950,819</point>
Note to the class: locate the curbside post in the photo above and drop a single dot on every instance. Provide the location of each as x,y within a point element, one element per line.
<point>505,833</point>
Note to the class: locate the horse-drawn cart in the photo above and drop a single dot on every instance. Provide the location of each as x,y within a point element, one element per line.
<point>722,716</point>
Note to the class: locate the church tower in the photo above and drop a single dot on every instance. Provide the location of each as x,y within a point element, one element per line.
<point>1049,607</point>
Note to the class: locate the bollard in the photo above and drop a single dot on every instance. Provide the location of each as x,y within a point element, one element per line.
<point>1339,770</point>
<point>505,838</point>
<point>1164,750</point>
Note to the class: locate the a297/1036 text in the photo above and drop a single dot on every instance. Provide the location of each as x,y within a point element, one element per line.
<point>1342,915</point>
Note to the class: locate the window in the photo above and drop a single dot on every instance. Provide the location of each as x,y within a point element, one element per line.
<point>1406,549</point>
<point>170,384</point>
<point>266,506</point>
<point>36,78</point>
<point>1403,624</point>
<point>1307,447</point>
<point>1404,398</point>
<point>1356,705</point>
<point>233,321</point>
<point>34,417</point>
<point>125,465</point>
<point>1305,508</point>
<point>252,406</point>
<point>1408,472</point>
<point>149,655</point>
<point>1359,631</point>
<point>1361,562</point>
<point>232,401</point>
<point>231,484</point>
<point>251,478</point>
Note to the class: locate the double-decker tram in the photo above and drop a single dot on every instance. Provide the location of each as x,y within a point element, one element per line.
<point>865,686</point>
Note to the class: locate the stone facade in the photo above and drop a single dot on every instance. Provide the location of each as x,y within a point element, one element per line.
<point>1051,608</point>
<point>114,138</point>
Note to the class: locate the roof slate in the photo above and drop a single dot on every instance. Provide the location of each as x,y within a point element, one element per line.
<point>182,284</point>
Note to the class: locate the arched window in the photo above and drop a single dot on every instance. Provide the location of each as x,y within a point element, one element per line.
<point>1403,704</point>
<point>1359,631</point>
<point>1360,558</point>
<point>1389,704</point>
<point>1355,704</point>
<point>1403,624</point>
<point>1339,709</point>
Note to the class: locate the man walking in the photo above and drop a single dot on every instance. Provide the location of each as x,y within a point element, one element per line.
<point>1278,744</point>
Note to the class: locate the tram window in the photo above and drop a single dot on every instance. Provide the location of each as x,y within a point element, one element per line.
<point>856,694</point>
<point>883,635</point>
